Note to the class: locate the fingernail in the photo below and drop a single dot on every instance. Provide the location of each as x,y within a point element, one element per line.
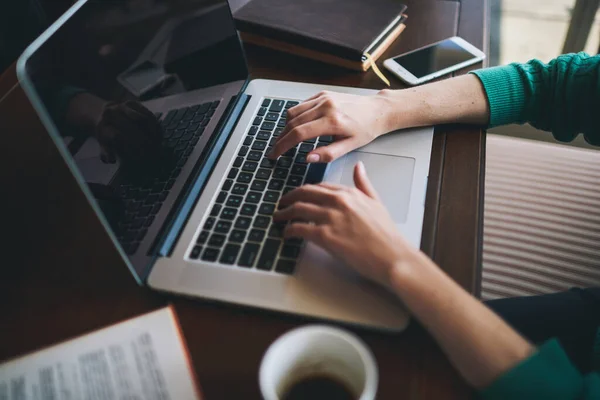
<point>313,158</point>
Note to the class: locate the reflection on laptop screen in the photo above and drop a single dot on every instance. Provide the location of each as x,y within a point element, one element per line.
<point>116,80</point>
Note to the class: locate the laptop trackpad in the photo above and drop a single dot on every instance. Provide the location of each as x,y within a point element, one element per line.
<point>390,175</point>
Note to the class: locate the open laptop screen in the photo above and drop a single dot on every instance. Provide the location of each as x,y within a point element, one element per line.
<point>109,77</point>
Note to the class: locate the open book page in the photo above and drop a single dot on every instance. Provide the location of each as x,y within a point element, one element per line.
<point>141,358</point>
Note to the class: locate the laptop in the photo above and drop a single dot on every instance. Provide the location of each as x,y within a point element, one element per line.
<point>198,222</point>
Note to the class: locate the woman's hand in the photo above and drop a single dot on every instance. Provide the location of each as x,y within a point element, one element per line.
<point>350,223</point>
<point>352,120</point>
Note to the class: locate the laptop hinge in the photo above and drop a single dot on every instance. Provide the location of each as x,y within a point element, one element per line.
<point>196,187</point>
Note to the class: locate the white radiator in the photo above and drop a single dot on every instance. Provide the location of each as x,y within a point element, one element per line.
<point>542,218</point>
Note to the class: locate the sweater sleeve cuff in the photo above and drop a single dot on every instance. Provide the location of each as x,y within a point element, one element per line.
<point>548,374</point>
<point>505,94</point>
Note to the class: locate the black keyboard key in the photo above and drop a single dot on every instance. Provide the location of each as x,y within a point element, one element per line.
<point>221,197</point>
<point>253,197</point>
<point>290,153</point>
<point>281,123</point>
<point>262,111</point>
<point>230,253</point>
<point>255,155</point>
<point>267,126</point>
<point>253,130</point>
<point>223,226</point>
<point>155,209</point>
<point>287,189</point>
<point>204,108</point>
<point>326,139</point>
<point>315,173</point>
<point>276,230</point>
<point>243,151</point>
<point>234,201</point>
<point>148,221</point>
<point>266,209</point>
<point>258,185</point>
<point>277,105</point>
<point>290,251</point>
<point>250,166</point>
<point>271,196</point>
<point>263,173</point>
<point>300,158</point>
<point>214,104</point>
<point>239,189</point>
<point>196,252</point>
<point>272,116</point>
<point>284,162</point>
<point>202,237</point>
<point>215,210</point>
<point>294,180</point>
<point>256,235</point>
<point>228,213</point>
<point>261,221</point>
<point>249,255</point>
<point>291,104</point>
<point>248,141</point>
<point>210,222</point>
<point>210,254</point>
<point>285,266</point>
<point>216,240</point>
<point>276,184</point>
<point>263,135</point>
<point>268,254</point>
<point>299,169</point>
<point>238,163</point>
<point>169,117</point>
<point>259,145</point>
<point>305,148</point>
<point>243,223</point>
<point>280,173</point>
<point>266,103</point>
<point>277,132</point>
<point>245,177</point>
<point>257,121</point>
<point>272,141</point>
<point>267,163</point>
<point>227,184</point>
<point>233,173</point>
<point>248,210</point>
<point>237,236</point>
<point>167,134</point>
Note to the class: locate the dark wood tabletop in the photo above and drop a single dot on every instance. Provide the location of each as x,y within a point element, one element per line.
<point>61,276</point>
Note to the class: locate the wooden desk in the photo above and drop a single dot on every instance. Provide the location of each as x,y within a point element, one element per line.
<point>61,278</point>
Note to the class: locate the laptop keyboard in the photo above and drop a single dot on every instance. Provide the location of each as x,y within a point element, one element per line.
<point>144,195</point>
<point>240,230</point>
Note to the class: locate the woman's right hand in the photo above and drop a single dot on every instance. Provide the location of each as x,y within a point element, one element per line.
<point>352,120</point>
<point>351,223</point>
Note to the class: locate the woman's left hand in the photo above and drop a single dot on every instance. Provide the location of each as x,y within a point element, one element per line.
<point>350,223</point>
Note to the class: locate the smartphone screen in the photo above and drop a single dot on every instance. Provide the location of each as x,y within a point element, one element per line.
<point>432,59</point>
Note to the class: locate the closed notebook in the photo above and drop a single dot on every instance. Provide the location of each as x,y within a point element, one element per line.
<point>341,32</point>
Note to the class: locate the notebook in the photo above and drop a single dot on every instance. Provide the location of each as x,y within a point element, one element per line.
<point>341,32</point>
<point>141,358</point>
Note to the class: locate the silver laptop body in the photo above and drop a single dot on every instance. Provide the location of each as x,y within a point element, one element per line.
<point>178,253</point>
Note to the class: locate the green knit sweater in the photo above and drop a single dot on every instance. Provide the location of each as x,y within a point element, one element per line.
<point>562,97</point>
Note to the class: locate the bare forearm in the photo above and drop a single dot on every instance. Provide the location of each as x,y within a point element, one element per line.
<point>478,342</point>
<point>455,100</point>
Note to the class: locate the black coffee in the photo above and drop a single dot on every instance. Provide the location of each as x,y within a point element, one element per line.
<point>318,387</point>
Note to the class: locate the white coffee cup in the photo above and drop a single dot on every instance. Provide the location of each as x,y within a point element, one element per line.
<point>318,350</point>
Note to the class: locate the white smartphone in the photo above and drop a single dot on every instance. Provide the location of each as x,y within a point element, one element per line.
<point>429,62</point>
